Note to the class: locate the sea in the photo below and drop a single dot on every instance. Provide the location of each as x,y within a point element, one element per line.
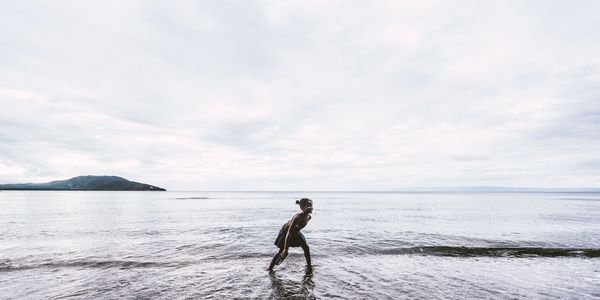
<point>364,245</point>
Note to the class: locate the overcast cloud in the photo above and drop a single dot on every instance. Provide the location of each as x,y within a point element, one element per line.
<point>309,95</point>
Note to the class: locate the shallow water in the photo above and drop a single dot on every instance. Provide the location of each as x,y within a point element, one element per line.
<point>178,245</point>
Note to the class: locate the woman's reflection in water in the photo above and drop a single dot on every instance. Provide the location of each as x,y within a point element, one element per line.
<point>289,289</point>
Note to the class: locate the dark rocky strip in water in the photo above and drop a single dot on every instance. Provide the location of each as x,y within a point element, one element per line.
<point>499,251</point>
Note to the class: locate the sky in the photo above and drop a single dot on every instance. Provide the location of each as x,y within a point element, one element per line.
<point>302,95</point>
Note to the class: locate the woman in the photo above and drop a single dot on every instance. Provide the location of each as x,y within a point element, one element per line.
<point>290,235</point>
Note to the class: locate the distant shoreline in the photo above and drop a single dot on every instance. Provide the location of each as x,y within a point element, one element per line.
<point>84,183</point>
<point>325,192</point>
<point>74,190</point>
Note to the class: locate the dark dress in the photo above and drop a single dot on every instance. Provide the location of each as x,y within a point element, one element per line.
<point>297,239</point>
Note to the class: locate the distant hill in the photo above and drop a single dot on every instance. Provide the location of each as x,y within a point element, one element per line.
<point>85,183</point>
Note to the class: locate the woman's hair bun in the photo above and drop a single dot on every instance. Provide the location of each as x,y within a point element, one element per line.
<point>303,201</point>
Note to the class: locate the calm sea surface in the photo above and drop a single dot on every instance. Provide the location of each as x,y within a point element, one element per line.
<point>199,245</point>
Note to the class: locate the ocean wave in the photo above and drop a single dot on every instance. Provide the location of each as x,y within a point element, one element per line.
<point>493,251</point>
<point>442,251</point>
<point>100,264</point>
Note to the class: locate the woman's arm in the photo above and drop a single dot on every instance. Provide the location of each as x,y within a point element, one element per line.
<point>287,234</point>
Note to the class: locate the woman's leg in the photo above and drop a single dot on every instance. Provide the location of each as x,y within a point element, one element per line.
<point>274,260</point>
<point>306,250</point>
